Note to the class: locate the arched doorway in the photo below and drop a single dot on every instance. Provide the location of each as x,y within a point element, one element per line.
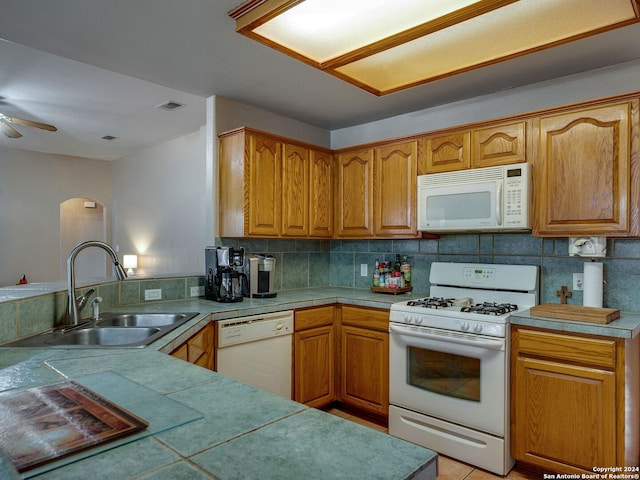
<point>82,219</point>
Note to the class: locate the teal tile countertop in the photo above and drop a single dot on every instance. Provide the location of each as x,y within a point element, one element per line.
<point>627,326</point>
<point>204,425</point>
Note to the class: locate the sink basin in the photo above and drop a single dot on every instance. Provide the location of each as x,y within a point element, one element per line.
<point>116,336</point>
<point>113,330</point>
<point>140,319</point>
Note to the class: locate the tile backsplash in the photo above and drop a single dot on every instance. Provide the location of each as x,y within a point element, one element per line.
<point>319,263</point>
<point>312,263</point>
<point>30,315</point>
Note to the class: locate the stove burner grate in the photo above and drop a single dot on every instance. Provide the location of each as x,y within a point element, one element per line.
<point>490,308</point>
<point>431,302</point>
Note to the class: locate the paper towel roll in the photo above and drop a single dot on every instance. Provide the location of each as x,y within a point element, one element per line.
<point>592,284</point>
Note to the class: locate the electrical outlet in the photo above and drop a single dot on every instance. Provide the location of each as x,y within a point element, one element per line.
<point>578,281</point>
<point>197,291</point>
<point>153,294</point>
<point>363,270</point>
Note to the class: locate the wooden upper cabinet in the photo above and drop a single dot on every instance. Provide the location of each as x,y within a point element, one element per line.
<point>498,145</point>
<point>395,189</point>
<point>272,187</point>
<point>295,191</point>
<point>320,194</point>
<point>354,195</point>
<point>231,184</point>
<point>249,184</point>
<point>264,186</point>
<point>584,171</point>
<point>446,153</point>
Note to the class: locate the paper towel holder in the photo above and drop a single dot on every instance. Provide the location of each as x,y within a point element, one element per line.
<point>587,246</point>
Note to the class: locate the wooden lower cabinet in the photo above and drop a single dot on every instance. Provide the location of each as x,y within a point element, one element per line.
<point>314,369</point>
<point>364,359</point>
<point>198,349</point>
<point>341,354</point>
<point>574,402</point>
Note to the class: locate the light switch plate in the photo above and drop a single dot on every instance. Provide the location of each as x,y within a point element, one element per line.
<point>363,270</point>
<point>197,291</point>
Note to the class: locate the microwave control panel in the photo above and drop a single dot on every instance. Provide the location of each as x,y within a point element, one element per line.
<point>516,197</point>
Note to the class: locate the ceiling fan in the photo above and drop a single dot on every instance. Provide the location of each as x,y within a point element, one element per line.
<point>11,132</point>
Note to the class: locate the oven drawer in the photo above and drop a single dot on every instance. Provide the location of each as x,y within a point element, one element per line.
<point>571,348</point>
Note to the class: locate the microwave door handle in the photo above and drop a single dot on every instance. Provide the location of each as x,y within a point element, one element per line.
<point>499,204</point>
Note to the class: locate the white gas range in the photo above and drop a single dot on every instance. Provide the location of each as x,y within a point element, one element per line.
<point>449,361</point>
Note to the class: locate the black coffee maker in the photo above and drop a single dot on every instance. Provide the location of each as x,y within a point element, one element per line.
<point>225,281</point>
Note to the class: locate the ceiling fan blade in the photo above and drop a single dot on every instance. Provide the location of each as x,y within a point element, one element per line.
<point>8,130</point>
<point>30,123</point>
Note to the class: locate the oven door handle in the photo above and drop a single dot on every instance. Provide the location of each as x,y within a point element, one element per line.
<point>483,343</point>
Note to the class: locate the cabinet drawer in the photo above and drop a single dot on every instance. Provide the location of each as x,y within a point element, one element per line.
<point>590,351</point>
<point>314,317</point>
<point>370,318</point>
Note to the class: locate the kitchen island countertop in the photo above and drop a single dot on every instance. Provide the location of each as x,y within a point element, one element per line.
<point>221,428</point>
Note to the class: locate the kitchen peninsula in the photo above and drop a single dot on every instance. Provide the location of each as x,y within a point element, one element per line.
<point>203,424</point>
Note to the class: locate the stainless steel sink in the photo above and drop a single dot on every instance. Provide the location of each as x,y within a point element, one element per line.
<point>114,336</point>
<point>113,330</point>
<point>140,319</point>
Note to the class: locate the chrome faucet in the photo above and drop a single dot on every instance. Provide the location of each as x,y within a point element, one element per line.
<point>75,305</point>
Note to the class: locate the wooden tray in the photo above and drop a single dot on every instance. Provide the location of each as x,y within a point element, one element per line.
<point>394,291</point>
<point>575,312</point>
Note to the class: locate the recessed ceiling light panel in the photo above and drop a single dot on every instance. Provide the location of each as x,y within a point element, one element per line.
<point>326,29</point>
<point>384,46</point>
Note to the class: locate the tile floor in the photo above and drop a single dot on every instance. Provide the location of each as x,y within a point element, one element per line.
<point>448,468</point>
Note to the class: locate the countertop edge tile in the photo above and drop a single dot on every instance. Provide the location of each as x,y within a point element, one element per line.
<point>627,326</point>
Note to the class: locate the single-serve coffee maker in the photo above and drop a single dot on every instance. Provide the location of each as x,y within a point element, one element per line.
<point>260,270</point>
<point>225,281</point>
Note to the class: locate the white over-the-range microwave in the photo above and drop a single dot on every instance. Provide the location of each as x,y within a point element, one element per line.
<point>481,199</point>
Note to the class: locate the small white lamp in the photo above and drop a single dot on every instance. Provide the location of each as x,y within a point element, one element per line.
<point>130,262</point>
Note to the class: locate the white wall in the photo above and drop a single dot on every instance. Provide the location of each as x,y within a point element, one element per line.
<point>230,114</point>
<point>160,207</point>
<point>32,186</point>
<point>165,198</point>
<point>619,79</point>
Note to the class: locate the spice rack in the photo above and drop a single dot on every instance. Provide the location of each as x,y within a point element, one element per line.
<point>392,278</point>
<point>394,291</point>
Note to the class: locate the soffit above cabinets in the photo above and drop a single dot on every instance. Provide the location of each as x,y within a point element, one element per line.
<point>383,47</point>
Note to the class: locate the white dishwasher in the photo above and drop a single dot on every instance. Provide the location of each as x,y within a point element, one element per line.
<point>257,350</point>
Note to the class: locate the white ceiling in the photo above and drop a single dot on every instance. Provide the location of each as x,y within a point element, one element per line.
<point>98,67</point>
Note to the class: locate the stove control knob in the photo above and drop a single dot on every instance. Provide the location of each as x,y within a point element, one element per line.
<point>477,328</point>
<point>464,326</point>
<point>417,319</point>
